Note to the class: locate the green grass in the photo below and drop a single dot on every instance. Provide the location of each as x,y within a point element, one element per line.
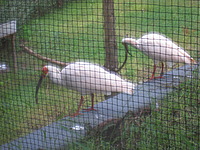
<point>73,33</point>
<point>76,32</point>
<point>174,126</point>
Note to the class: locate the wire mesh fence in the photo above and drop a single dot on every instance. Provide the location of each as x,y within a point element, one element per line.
<point>99,74</point>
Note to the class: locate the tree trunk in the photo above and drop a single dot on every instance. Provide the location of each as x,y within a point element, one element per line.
<point>59,3</point>
<point>111,60</point>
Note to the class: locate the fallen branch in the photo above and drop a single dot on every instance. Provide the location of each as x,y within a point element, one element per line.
<point>31,52</point>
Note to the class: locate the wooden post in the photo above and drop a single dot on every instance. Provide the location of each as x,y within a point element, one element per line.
<point>14,52</point>
<point>59,3</point>
<point>111,60</point>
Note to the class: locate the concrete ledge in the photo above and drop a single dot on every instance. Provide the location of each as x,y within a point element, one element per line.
<point>61,133</point>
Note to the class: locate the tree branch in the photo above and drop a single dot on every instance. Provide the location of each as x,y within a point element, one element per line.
<point>31,52</point>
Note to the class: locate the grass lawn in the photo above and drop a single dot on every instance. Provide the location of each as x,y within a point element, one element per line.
<point>75,32</point>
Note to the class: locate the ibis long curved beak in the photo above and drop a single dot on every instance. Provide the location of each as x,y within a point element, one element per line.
<point>37,88</point>
<point>126,48</point>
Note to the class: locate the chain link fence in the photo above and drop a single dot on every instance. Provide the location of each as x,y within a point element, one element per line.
<point>99,74</point>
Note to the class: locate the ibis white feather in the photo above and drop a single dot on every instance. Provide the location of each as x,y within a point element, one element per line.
<point>87,78</point>
<point>160,48</point>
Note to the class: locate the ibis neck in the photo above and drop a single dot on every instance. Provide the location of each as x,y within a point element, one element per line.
<point>55,77</point>
<point>130,41</point>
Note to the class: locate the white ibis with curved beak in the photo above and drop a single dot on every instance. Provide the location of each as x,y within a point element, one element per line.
<point>160,48</point>
<point>86,78</point>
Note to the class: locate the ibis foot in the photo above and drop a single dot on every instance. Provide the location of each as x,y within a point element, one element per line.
<point>89,109</point>
<point>160,77</point>
<point>75,114</point>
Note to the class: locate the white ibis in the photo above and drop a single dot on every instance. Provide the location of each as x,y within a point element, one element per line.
<point>160,48</point>
<point>86,78</point>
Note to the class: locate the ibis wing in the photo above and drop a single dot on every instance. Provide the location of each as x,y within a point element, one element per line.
<point>89,78</point>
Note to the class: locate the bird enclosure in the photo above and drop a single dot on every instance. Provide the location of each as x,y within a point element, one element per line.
<point>99,74</point>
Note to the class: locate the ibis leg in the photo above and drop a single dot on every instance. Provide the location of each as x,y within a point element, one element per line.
<point>162,70</point>
<point>154,70</point>
<point>79,107</point>
<point>153,73</point>
<point>92,107</point>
